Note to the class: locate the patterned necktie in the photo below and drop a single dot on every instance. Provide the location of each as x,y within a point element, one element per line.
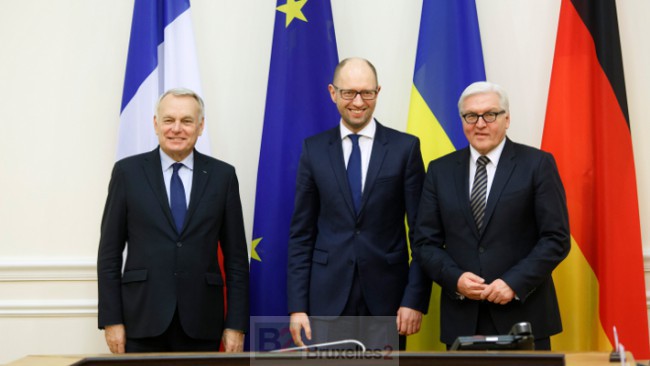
<point>479,189</point>
<point>354,171</point>
<point>177,199</point>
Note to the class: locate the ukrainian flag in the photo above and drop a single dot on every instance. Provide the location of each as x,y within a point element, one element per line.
<point>449,58</point>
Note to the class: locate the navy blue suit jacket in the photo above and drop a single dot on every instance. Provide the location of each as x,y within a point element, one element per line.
<point>526,236</point>
<point>165,269</point>
<point>328,239</point>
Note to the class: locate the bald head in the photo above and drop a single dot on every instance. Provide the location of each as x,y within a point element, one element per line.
<point>354,90</point>
<point>357,64</point>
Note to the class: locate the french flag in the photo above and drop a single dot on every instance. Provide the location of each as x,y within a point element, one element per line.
<point>162,55</point>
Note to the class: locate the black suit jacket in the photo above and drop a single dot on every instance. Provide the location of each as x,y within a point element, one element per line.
<point>327,238</point>
<point>526,236</point>
<point>165,269</point>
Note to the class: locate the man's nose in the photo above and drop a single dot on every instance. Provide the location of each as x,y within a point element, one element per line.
<point>176,127</point>
<point>481,122</point>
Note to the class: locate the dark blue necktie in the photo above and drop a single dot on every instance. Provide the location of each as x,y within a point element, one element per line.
<point>178,201</point>
<point>354,172</point>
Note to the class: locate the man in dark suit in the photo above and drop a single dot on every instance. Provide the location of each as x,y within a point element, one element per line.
<point>348,251</point>
<point>173,206</point>
<point>492,225</point>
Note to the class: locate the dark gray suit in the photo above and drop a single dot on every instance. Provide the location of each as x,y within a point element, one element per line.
<point>164,269</point>
<point>526,235</point>
<point>328,240</point>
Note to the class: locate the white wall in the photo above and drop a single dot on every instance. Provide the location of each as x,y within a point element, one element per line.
<point>61,73</point>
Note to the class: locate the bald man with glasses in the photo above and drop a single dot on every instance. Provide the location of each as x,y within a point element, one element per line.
<point>348,249</point>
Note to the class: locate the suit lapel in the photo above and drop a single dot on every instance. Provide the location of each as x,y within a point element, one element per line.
<point>379,150</point>
<point>461,180</point>
<point>507,163</point>
<point>153,173</point>
<point>200,177</point>
<point>338,167</point>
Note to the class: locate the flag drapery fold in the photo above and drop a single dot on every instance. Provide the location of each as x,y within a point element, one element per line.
<point>587,128</point>
<point>449,58</point>
<point>298,105</point>
<point>161,56</point>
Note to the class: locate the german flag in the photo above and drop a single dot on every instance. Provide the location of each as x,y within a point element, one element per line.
<point>587,128</point>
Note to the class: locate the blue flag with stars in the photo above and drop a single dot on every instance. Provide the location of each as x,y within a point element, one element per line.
<point>298,105</point>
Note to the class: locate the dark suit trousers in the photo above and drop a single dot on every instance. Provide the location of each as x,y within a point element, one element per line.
<point>356,322</point>
<point>174,339</point>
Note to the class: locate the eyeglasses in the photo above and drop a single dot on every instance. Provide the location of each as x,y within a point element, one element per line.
<point>488,117</point>
<point>350,94</point>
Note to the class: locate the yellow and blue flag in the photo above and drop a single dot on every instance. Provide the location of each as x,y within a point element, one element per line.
<point>298,105</point>
<point>449,58</point>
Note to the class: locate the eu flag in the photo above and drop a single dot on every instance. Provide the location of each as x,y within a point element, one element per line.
<point>298,105</point>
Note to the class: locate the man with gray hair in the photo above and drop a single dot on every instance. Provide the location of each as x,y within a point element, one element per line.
<point>491,227</point>
<point>174,206</point>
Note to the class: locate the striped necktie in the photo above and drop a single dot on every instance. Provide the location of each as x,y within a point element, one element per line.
<point>479,189</point>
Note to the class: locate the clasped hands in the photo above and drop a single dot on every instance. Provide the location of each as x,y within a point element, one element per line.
<point>474,287</point>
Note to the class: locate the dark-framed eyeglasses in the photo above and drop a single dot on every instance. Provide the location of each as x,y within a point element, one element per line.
<point>350,94</point>
<point>488,117</point>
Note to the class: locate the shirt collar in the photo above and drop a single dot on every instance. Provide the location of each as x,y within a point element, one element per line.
<point>368,131</point>
<point>494,155</point>
<point>166,162</point>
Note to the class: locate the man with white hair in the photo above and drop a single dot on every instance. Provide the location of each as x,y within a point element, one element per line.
<point>491,227</point>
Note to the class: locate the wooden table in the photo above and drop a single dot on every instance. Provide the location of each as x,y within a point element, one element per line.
<point>403,359</point>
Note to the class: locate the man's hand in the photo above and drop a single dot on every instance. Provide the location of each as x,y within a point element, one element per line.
<point>233,340</point>
<point>408,321</point>
<point>498,292</point>
<point>297,322</point>
<point>115,337</point>
<point>471,286</point>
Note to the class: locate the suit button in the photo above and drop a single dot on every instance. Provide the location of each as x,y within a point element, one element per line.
<point>358,232</point>
<point>481,249</point>
<point>179,244</point>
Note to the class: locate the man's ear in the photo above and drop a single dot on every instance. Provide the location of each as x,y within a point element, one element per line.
<point>332,91</point>
<point>201,126</point>
<point>155,124</point>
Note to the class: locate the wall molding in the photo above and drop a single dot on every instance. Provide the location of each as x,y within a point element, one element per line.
<point>64,269</point>
<point>48,308</point>
<point>85,269</point>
